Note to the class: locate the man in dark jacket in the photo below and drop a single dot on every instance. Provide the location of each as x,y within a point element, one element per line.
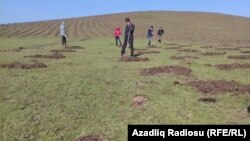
<point>128,37</point>
<point>160,33</point>
<point>150,35</point>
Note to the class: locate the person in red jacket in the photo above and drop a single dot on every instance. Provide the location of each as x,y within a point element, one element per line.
<point>117,34</point>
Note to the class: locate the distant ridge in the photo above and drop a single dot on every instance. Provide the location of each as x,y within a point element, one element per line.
<point>191,26</point>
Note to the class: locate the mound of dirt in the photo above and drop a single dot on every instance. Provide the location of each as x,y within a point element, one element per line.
<point>21,48</point>
<point>213,53</point>
<point>227,48</point>
<point>245,52</point>
<point>139,101</point>
<point>207,100</point>
<point>53,56</point>
<point>178,83</point>
<point>75,47</point>
<point>239,57</point>
<point>208,65</point>
<point>148,52</point>
<point>219,86</point>
<point>183,57</point>
<point>188,50</point>
<point>133,59</point>
<point>63,50</point>
<point>89,138</point>
<point>167,69</point>
<point>23,66</point>
<point>232,66</point>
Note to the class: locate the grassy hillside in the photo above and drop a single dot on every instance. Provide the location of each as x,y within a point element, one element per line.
<point>206,27</point>
<point>90,92</point>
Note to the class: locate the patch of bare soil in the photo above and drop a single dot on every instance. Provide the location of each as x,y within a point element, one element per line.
<point>172,44</point>
<point>178,70</point>
<point>207,100</point>
<point>239,57</point>
<point>232,66</point>
<point>141,49</point>
<point>172,47</point>
<point>53,56</point>
<point>23,66</point>
<point>133,59</point>
<point>227,48</point>
<point>219,86</point>
<point>75,47</point>
<point>188,50</point>
<point>139,101</point>
<point>245,52</point>
<point>63,50</point>
<point>148,52</point>
<point>154,46</point>
<point>183,57</point>
<point>213,53</point>
<point>89,138</point>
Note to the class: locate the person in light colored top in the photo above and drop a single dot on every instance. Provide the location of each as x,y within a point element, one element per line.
<point>63,34</point>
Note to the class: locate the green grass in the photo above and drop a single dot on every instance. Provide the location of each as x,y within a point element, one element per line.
<point>90,92</point>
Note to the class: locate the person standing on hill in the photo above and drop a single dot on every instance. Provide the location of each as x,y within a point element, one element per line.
<point>160,33</point>
<point>63,34</point>
<point>128,37</point>
<point>117,34</point>
<point>150,35</point>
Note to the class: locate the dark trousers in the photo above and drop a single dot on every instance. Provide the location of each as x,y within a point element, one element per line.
<point>117,39</point>
<point>131,45</point>
<point>159,38</point>
<point>64,41</point>
<point>149,40</point>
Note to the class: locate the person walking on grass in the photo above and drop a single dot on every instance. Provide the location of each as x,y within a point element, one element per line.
<point>128,38</point>
<point>160,33</point>
<point>63,35</point>
<point>117,34</point>
<point>150,35</point>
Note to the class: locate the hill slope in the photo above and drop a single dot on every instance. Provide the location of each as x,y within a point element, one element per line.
<point>191,26</point>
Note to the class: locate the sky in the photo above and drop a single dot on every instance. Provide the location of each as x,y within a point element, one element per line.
<point>14,11</point>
